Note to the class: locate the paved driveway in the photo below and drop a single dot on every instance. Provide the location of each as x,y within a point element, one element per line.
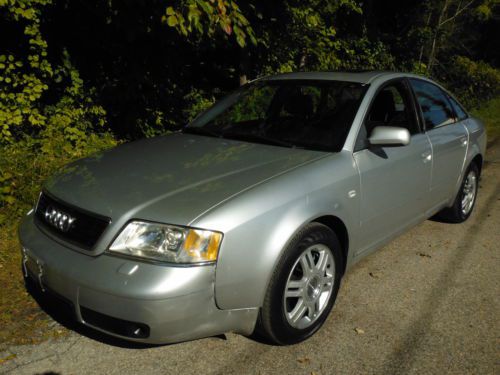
<point>427,303</point>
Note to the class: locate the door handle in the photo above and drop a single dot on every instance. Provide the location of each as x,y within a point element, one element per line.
<point>464,141</point>
<point>427,156</point>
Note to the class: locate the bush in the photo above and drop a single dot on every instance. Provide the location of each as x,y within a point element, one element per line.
<point>473,82</point>
<point>47,116</point>
<point>26,164</point>
<point>489,113</point>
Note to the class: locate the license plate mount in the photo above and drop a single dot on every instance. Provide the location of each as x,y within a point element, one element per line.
<point>34,266</point>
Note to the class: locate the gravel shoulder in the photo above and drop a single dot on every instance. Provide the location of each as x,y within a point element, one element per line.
<point>428,303</point>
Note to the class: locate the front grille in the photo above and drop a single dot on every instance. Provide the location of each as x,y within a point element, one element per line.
<point>82,229</point>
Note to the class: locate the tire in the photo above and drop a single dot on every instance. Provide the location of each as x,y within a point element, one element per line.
<point>465,200</point>
<point>309,272</point>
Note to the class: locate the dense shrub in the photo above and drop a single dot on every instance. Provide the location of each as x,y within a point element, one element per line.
<point>24,165</point>
<point>47,116</point>
<point>474,82</point>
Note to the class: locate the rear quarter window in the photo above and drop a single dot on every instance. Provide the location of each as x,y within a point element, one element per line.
<point>459,110</point>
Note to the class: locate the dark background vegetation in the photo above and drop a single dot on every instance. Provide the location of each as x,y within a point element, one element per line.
<point>79,76</point>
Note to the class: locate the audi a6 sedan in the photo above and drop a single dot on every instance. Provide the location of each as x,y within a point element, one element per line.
<point>247,219</point>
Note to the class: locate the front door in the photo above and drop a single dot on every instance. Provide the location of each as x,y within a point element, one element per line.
<point>394,180</point>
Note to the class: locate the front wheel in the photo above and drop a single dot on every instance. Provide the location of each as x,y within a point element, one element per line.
<point>466,198</point>
<point>303,287</point>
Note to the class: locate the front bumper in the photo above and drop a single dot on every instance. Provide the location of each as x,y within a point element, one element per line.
<point>169,303</point>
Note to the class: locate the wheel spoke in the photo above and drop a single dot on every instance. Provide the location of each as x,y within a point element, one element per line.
<point>294,284</point>
<point>294,293</point>
<point>311,310</point>
<point>298,311</point>
<point>295,288</point>
<point>317,306</point>
<point>307,263</point>
<point>465,202</point>
<point>322,262</point>
<point>310,260</point>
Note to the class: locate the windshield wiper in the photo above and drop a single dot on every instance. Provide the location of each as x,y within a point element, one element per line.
<point>201,131</point>
<point>258,138</point>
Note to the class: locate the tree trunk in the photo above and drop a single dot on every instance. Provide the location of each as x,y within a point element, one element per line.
<point>427,23</point>
<point>434,44</point>
<point>369,18</point>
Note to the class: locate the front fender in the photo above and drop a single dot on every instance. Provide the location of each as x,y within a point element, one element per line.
<point>258,224</point>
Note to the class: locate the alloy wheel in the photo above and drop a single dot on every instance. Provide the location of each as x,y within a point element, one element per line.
<point>469,193</point>
<point>309,286</point>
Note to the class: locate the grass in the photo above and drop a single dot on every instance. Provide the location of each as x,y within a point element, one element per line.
<point>489,113</point>
<point>22,320</point>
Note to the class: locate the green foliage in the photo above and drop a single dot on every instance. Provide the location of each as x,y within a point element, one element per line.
<point>23,78</point>
<point>27,163</point>
<point>206,17</point>
<point>39,133</point>
<point>489,113</point>
<point>315,39</point>
<point>26,77</point>
<point>312,42</point>
<point>474,82</point>
<point>436,30</point>
<point>196,102</point>
<point>362,53</point>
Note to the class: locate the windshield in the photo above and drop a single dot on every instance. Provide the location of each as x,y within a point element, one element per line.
<point>308,114</point>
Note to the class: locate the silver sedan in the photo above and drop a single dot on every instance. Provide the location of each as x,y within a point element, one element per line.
<point>247,219</point>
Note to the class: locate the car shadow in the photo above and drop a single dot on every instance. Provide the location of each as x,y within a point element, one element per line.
<point>260,338</point>
<point>440,219</point>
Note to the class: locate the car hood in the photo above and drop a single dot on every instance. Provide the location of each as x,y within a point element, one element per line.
<point>173,178</point>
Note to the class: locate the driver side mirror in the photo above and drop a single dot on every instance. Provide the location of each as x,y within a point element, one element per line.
<point>389,136</point>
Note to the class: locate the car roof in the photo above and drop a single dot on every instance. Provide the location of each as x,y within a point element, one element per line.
<point>365,76</point>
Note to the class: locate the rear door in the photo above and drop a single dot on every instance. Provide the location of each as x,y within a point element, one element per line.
<point>395,181</point>
<point>448,137</point>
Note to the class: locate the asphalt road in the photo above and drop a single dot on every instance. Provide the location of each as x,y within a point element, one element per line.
<point>428,303</point>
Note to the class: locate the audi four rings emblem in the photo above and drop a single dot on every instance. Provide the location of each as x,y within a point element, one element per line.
<point>58,219</point>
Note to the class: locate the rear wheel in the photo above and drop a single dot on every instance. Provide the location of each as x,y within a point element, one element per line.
<point>303,287</point>
<point>466,198</point>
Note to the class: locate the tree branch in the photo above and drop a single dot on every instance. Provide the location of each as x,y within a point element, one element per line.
<point>456,13</point>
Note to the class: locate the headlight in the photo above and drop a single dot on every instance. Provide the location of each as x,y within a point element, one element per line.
<point>167,243</point>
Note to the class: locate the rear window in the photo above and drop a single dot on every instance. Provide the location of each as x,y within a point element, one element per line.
<point>459,111</point>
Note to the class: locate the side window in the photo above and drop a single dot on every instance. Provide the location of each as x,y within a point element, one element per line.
<point>392,107</point>
<point>434,103</point>
<point>459,111</point>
